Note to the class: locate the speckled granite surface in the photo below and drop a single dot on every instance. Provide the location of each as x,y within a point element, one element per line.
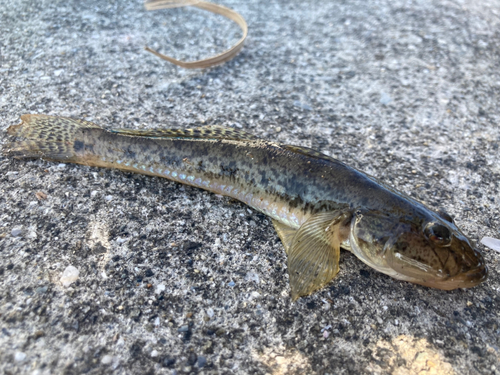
<point>177,280</point>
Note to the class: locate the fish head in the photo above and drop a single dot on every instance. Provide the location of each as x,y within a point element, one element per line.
<point>426,249</point>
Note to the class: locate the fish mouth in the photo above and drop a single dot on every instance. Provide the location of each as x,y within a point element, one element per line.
<point>468,279</point>
<point>476,275</point>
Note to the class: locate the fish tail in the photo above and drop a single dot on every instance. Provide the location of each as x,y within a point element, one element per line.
<point>47,137</point>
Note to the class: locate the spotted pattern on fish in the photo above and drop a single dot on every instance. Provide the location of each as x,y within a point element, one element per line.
<point>317,203</point>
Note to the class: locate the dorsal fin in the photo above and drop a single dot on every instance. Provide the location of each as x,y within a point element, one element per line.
<point>307,152</point>
<point>204,132</point>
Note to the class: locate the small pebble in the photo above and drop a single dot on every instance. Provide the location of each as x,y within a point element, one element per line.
<point>160,288</point>
<point>254,295</point>
<point>385,98</point>
<point>202,361</point>
<point>16,232</point>
<point>39,334</point>
<point>154,353</point>
<point>169,362</point>
<point>135,313</point>
<point>69,276</point>
<point>305,106</point>
<point>183,329</point>
<point>108,197</point>
<point>280,360</point>
<point>41,289</point>
<point>252,276</point>
<point>192,359</point>
<point>231,284</point>
<point>106,360</point>
<point>40,195</point>
<point>19,356</point>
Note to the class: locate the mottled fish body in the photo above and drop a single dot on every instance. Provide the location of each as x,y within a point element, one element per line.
<point>317,203</point>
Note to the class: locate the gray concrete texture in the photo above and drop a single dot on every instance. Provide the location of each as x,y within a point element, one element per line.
<point>173,279</point>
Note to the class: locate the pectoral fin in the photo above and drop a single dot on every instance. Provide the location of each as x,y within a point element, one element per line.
<point>285,234</point>
<point>313,257</point>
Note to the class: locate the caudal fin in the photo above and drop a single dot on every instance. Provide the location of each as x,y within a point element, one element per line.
<point>46,137</point>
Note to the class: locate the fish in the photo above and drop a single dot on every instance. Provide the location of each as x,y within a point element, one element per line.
<point>316,203</point>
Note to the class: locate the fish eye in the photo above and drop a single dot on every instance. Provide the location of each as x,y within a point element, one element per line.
<point>439,234</point>
<point>446,216</point>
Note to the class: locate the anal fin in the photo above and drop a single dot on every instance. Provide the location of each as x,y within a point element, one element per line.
<point>313,256</point>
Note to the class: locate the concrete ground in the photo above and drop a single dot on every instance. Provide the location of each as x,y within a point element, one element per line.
<point>175,280</point>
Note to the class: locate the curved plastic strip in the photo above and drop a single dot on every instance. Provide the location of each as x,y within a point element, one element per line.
<point>211,7</point>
